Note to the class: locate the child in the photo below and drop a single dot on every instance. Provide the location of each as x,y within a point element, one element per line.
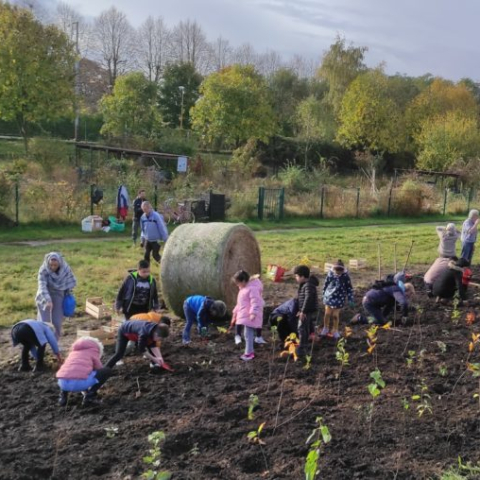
<point>284,317</point>
<point>34,336</point>
<point>249,309</point>
<point>138,293</point>
<point>152,317</point>
<point>338,286</point>
<point>200,309</point>
<point>147,334</point>
<point>83,371</point>
<point>307,305</point>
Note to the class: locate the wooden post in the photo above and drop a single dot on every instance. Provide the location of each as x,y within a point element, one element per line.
<point>358,203</point>
<point>17,202</point>
<point>389,202</point>
<point>445,195</point>
<point>379,262</point>
<point>322,196</point>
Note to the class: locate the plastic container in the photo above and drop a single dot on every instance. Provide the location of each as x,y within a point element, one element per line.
<point>92,223</point>
<point>115,226</point>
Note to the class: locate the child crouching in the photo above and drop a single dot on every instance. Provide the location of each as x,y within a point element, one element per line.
<point>249,309</point>
<point>83,371</point>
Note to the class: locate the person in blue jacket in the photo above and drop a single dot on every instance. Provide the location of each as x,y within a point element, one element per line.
<point>337,288</point>
<point>379,303</point>
<point>284,317</point>
<point>200,309</point>
<point>34,336</point>
<point>146,334</point>
<point>153,230</point>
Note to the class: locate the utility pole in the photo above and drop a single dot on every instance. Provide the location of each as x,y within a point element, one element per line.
<point>182,90</point>
<point>77,84</point>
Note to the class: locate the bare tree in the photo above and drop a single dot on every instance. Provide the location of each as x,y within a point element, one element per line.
<point>245,55</point>
<point>66,18</point>
<point>221,53</point>
<point>114,38</point>
<point>189,45</point>
<point>303,67</point>
<point>269,62</point>
<point>153,47</point>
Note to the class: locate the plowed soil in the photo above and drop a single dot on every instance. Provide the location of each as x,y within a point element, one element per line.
<point>202,408</point>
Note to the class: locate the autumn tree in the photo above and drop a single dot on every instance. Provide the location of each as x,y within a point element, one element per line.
<point>36,70</point>
<point>341,64</point>
<point>234,106</point>
<point>131,109</point>
<point>178,93</point>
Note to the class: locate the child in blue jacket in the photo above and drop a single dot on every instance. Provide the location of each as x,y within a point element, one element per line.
<point>34,336</point>
<point>337,288</point>
<point>200,309</point>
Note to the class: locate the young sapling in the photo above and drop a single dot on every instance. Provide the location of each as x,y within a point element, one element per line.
<point>320,436</point>
<point>154,458</point>
<point>423,397</point>
<point>252,404</point>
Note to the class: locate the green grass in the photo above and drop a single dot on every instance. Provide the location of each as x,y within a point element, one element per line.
<point>100,266</point>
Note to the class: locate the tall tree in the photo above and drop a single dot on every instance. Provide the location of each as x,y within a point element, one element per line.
<point>131,109</point>
<point>341,64</point>
<point>268,63</point>
<point>36,70</point>
<point>234,106</point>
<point>189,45</point>
<point>178,93</point>
<point>114,35</point>
<point>67,19</point>
<point>245,55</point>
<point>153,47</point>
<point>221,53</point>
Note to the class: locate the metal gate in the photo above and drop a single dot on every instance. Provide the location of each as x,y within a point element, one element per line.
<point>270,203</point>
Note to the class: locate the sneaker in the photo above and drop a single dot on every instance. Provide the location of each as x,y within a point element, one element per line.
<point>324,332</point>
<point>238,339</point>
<point>260,341</point>
<point>120,363</point>
<point>336,335</point>
<point>247,357</point>
<point>186,342</point>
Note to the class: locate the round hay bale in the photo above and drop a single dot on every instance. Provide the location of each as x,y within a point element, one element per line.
<point>200,259</point>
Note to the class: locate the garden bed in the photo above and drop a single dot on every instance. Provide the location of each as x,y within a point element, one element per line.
<point>202,409</point>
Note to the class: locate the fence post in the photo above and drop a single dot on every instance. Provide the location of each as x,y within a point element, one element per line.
<point>17,203</point>
<point>261,201</point>
<point>281,203</point>
<point>155,197</point>
<point>445,201</point>
<point>389,207</point>
<point>469,200</point>
<point>322,197</point>
<point>358,202</point>
<point>92,187</point>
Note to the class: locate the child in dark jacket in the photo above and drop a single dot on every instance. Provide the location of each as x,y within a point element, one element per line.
<point>307,305</point>
<point>34,336</point>
<point>138,293</point>
<point>200,309</point>
<point>83,371</point>
<point>337,288</point>
<point>284,318</point>
<point>147,334</point>
<point>379,303</point>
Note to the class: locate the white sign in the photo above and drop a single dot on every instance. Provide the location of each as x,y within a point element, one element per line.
<point>182,163</point>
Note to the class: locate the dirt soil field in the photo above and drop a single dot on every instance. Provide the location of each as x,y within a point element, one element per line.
<point>202,408</point>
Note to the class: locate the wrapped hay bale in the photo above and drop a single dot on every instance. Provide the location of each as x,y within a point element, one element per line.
<point>200,259</point>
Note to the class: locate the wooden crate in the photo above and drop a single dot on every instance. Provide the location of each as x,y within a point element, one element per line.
<point>327,267</point>
<point>357,263</point>
<point>96,308</point>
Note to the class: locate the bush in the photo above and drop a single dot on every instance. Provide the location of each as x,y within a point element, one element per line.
<point>244,207</point>
<point>178,142</point>
<point>294,178</point>
<point>49,153</point>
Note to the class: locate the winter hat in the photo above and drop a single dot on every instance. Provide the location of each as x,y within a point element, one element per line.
<point>339,265</point>
<point>218,309</point>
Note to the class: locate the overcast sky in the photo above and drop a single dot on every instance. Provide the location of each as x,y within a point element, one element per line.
<point>412,36</point>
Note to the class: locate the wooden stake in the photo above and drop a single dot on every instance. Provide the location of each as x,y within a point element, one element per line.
<point>408,256</point>
<point>379,263</point>
<point>395,257</point>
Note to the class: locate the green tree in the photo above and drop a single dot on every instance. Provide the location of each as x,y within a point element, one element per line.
<point>234,107</point>
<point>131,108</point>
<point>178,77</point>
<point>370,119</point>
<point>315,122</point>
<point>445,139</point>
<point>36,70</point>
<point>341,64</point>
<point>287,90</point>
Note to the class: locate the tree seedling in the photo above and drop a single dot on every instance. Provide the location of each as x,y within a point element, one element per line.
<point>154,458</point>
<point>320,436</point>
<point>222,329</point>
<point>291,344</point>
<point>252,404</point>
<point>475,341</point>
<point>442,346</point>
<point>423,397</point>
<point>475,369</point>
<point>341,354</point>
<point>254,435</point>
<point>456,313</point>
<point>372,336</point>
<point>378,384</point>
<point>111,431</point>
<point>442,370</point>
<point>308,362</point>
<point>410,358</point>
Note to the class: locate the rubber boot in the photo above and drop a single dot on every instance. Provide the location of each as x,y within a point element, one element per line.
<point>63,398</point>
<point>24,367</point>
<point>39,367</point>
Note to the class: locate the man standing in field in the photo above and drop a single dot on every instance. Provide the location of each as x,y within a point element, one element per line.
<point>137,214</point>
<point>153,230</point>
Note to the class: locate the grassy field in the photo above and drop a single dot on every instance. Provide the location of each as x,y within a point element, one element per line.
<point>100,266</point>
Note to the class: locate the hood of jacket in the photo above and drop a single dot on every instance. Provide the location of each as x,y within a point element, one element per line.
<point>86,343</point>
<point>313,280</point>
<point>255,283</point>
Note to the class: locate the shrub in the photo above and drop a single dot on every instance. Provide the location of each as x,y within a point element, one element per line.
<point>49,153</point>
<point>244,207</point>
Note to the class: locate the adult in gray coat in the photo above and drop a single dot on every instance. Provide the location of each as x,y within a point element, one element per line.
<point>448,240</point>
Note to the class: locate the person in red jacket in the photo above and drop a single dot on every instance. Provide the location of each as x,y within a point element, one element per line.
<point>83,371</point>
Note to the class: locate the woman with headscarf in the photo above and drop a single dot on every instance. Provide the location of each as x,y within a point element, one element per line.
<point>55,280</point>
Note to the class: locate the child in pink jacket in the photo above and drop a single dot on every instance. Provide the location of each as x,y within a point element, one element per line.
<point>83,371</point>
<point>249,309</point>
